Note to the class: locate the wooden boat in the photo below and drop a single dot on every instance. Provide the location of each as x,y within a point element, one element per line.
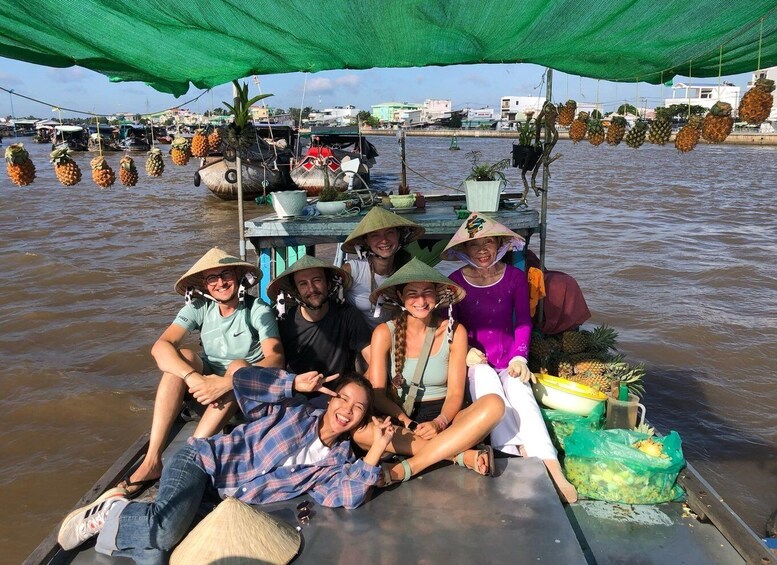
<point>265,167</point>
<point>328,149</point>
<point>73,138</point>
<point>133,138</point>
<point>102,138</point>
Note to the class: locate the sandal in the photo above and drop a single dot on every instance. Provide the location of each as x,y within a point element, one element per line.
<point>139,486</point>
<point>482,449</point>
<point>385,476</point>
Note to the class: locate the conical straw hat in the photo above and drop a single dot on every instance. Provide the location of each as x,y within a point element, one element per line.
<point>236,533</point>
<point>285,281</point>
<point>478,226</point>
<point>380,219</point>
<point>418,271</point>
<point>213,259</point>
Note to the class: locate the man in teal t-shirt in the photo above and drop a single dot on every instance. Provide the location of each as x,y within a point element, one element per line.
<point>235,330</point>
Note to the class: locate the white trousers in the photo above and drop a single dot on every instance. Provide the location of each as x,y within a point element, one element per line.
<point>522,423</point>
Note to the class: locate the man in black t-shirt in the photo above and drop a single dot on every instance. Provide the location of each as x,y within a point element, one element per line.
<point>318,331</point>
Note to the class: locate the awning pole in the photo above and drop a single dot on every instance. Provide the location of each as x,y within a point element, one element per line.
<point>239,165</point>
<point>544,205</point>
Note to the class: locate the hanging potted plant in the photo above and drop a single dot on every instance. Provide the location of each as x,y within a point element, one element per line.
<point>525,152</point>
<point>484,183</point>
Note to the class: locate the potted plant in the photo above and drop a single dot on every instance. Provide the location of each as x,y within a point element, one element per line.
<point>331,201</point>
<point>484,183</point>
<point>526,153</point>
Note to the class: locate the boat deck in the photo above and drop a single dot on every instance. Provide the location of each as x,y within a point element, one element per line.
<point>452,515</point>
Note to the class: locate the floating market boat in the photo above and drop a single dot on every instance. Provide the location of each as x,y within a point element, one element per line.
<point>133,137</point>
<point>329,147</point>
<point>102,138</point>
<point>266,165</point>
<point>447,514</point>
<point>73,138</point>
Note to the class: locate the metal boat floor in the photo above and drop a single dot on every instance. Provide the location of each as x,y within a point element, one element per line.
<point>452,515</point>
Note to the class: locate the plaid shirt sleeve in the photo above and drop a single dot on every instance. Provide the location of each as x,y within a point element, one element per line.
<point>345,485</point>
<point>257,387</point>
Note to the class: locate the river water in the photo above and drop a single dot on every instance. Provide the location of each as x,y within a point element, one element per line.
<point>677,252</point>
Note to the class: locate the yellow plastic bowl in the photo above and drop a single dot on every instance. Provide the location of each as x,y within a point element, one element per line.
<point>563,394</point>
<point>402,200</point>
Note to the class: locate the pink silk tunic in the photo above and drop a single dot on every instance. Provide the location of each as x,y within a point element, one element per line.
<point>497,316</point>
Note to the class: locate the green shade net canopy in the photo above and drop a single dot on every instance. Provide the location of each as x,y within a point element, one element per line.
<point>210,42</point>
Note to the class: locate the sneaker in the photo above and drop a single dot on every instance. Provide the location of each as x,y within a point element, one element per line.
<point>87,521</point>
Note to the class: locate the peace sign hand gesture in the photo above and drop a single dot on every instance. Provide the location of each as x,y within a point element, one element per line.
<point>313,381</point>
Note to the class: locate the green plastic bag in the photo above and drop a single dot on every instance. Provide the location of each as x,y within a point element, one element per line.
<point>604,465</point>
<point>561,424</point>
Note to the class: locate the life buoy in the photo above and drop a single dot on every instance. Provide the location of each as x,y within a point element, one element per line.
<point>231,176</point>
<point>197,178</point>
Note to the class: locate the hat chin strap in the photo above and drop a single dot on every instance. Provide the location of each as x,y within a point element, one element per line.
<point>247,281</point>
<point>447,296</point>
<point>500,253</point>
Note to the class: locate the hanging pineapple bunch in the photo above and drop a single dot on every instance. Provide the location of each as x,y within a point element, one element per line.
<point>68,172</point>
<point>636,136</point>
<point>155,164</point>
<point>214,140</point>
<point>180,151</point>
<point>689,135</point>
<point>579,127</point>
<point>757,102</point>
<point>19,166</point>
<point>102,174</point>
<point>566,113</point>
<point>718,123</point>
<point>661,128</point>
<point>596,133</point>
<point>616,131</point>
<point>128,172</point>
<point>200,145</point>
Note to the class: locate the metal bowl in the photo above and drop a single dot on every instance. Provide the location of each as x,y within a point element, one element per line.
<point>565,395</point>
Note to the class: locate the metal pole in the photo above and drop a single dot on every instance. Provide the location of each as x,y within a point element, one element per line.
<point>239,165</point>
<point>544,205</point>
<point>403,176</point>
<point>13,115</point>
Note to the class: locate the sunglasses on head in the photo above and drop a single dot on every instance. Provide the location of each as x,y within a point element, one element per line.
<point>304,512</point>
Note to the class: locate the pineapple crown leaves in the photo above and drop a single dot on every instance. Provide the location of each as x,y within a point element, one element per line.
<point>764,84</point>
<point>721,109</point>
<point>618,121</point>
<point>570,104</point>
<point>663,113</point>
<point>640,125</point>
<point>595,126</point>
<point>60,156</point>
<point>99,163</point>
<point>486,171</point>
<point>128,164</point>
<point>16,154</point>
<point>155,153</point>
<point>180,143</point>
<point>241,110</point>
<point>583,116</point>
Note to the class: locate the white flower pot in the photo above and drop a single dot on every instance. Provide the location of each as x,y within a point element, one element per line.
<point>483,196</point>
<point>289,203</point>
<point>331,208</point>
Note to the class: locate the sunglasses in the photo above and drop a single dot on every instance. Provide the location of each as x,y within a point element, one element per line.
<point>304,512</point>
<point>227,275</point>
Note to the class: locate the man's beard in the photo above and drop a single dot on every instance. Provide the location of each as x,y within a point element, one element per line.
<point>309,306</point>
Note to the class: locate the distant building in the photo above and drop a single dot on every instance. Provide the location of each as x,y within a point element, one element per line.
<point>260,113</point>
<point>389,112</point>
<point>477,118</point>
<point>434,109</point>
<point>339,115</point>
<point>703,95</point>
<point>513,108</point>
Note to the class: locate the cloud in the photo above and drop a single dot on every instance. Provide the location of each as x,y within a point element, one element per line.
<point>322,85</point>
<point>10,80</point>
<point>476,79</point>
<point>70,74</point>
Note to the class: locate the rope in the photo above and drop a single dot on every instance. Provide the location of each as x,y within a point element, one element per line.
<point>690,71</point>
<point>429,180</point>
<point>99,136</point>
<point>13,93</point>
<point>760,39</point>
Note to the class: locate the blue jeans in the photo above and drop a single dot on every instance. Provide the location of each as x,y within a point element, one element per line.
<point>147,532</point>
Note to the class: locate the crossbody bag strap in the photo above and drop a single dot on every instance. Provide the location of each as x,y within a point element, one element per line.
<point>418,376</point>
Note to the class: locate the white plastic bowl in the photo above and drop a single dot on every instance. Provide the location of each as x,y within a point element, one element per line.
<point>565,395</point>
<point>402,200</point>
<point>331,208</point>
<point>289,203</point>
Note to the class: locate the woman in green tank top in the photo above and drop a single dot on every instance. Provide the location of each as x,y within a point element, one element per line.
<point>437,426</point>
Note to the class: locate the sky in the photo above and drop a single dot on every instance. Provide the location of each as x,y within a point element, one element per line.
<point>474,86</point>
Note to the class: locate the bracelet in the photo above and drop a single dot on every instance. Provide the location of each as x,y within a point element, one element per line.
<point>441,422</point>
<point>189,373</point>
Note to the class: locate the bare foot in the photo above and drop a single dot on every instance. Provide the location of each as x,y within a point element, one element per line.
<point>566,490</point>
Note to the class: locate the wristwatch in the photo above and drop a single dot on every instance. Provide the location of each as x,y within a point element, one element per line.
<point>412,425</point>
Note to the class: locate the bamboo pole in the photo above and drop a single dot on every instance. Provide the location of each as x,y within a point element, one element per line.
<point>239,165</point>
<point>403,175</point>
<point>544,205</point>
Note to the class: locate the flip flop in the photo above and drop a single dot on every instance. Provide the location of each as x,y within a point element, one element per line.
<point>482,449</point>
<point>126,484</point>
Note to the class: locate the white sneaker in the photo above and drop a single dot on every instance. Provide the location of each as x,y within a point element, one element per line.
<point>87,521</point>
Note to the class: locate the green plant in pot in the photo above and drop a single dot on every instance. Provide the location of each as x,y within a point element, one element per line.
<point>484,183</point>
<point>526,152</point>
<point>239,134</point>
<point>332,201</point>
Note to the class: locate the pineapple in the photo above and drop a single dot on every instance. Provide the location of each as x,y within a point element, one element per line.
<point>575,341</point>
<point>19,166</point>
<point>68,172</point>
<point>565,369</point>
<point>214,140</point>
<point>689,135</point>
<point>180,151</point>
<point>756,104</point>
<point>651,447</point>
<point>718,123</point>
<point>618,371</point>
<point>155,165</point>
<point>616,131</point>
<point>594,367</point>
<point>566,113</point>
<point>128,172</point>
<point>542,351</point>
<point>596,132</point>
<point>200,146</point>
<point>603,339</point>
<point>102,174</point>
<point>661,128</point>
<point>636,136</point>
<point>579,127</point>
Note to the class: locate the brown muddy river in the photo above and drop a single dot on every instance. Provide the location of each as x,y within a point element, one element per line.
<point>677,252</point>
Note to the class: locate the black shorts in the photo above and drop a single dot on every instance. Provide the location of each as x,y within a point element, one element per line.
<point>427,411</point>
